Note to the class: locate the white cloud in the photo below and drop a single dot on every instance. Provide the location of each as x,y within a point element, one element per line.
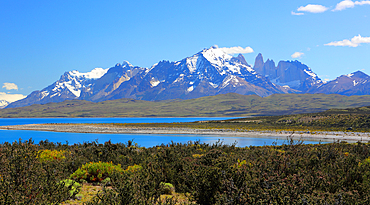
<point>313,8</point>
<point>238,49</point>
<point>10,86</point>
<point>354,42</point>
<point>297,14</point>
<point>11,97</point>
<point>297,54</point>
<point>362,3</point>
<point>349,4</point>
<point>344,5</point>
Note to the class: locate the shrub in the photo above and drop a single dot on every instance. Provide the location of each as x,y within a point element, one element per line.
<point>74,186</point>
<point>168,188</point>
<point>95,171</point>
<point>132,169</point>
<point>51,155</point>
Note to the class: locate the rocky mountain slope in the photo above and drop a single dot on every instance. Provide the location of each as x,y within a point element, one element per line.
<point>357,83</point>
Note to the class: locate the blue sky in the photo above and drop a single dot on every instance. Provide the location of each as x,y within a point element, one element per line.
<point>40,40</point>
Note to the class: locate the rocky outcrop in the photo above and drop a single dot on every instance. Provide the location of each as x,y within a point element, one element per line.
<point>292,74</point>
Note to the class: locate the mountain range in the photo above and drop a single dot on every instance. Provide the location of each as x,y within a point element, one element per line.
<point>208,72</point>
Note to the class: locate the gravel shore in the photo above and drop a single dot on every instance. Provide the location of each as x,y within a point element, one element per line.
<point>80,128</point>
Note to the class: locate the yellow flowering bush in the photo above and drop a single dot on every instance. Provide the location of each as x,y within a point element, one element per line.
<point>51,155</point>
<point>98,171</point>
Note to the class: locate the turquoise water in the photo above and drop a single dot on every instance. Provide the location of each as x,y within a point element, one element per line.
<point>23,121</point>
<point>143,140</point>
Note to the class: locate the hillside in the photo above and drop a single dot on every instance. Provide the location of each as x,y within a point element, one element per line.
<point>220,105</point>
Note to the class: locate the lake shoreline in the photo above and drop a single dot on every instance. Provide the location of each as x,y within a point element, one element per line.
<point>298,135</point>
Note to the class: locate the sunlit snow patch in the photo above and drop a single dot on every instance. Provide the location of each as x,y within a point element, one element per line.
<point>310,73</point>
<point>154,82</point>
<point>94,74</point>
<point>191,88</point>
<point>44,94</point>
<point>191,63</point>
<point>213,85</point>
<point>355,83</point>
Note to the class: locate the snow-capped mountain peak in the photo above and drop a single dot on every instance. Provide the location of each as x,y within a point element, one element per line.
<point>94,74</point>
<point>216,56</point>
<point>224,62</point>
<point>3,103</point>
<point>127,64</point>
<point>72,84</point>
<point>357,74</point>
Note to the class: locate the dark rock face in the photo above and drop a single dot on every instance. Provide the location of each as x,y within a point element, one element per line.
<point>292,74</point>
<point>259,64</point>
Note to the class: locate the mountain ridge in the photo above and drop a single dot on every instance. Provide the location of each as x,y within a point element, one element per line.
<point>208,72</point>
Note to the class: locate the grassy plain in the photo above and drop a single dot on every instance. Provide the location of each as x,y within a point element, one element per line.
<point>221,105</point>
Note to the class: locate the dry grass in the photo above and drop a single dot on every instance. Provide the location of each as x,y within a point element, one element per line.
<point>88,191</point>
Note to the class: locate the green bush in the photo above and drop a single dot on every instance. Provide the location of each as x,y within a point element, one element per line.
<point>74,186</point>
<point>95,171</point>
<point>168,188</point>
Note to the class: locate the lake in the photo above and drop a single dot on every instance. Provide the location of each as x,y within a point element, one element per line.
<point>143,140</point>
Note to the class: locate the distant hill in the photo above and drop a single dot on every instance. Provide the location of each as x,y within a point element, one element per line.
<point>230,104</point>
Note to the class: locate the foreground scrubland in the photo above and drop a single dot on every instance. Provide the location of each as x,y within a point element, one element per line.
<point>191,173</point>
